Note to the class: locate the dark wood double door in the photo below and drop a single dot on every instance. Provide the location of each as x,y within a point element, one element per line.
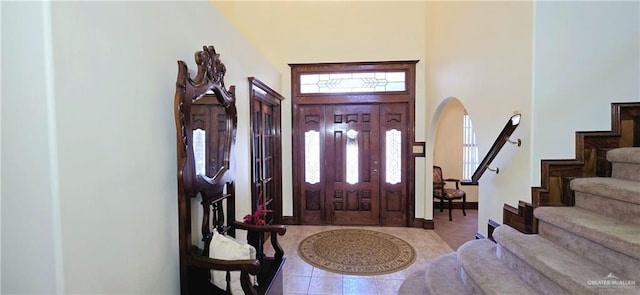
<point>351,164</point>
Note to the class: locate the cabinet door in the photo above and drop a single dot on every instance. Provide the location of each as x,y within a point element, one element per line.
<point>266,150</point>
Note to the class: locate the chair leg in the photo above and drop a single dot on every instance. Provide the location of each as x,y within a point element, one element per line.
<point>441,204</point>
<point>464,204</point>
<point>450,204</point>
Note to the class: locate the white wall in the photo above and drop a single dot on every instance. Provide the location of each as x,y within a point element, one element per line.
<point>30,221</point>
<point>587,55</point>
<point>114,70</point>
<point>560,64</point>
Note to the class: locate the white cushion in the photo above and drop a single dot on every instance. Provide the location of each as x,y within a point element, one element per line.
<point>227,248</point>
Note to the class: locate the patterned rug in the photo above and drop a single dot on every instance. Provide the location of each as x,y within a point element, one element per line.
<point>356,252</point>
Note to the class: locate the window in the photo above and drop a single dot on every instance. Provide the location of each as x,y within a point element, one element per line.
<point>469,150</point>
<point>352,82</point>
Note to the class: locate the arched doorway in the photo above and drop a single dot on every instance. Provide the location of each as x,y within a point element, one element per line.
<point>452,151</point>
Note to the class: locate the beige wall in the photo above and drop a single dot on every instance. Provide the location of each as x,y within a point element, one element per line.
<point>478,52</point>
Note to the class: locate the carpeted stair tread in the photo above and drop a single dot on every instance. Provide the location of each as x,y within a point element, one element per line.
<point>442,276</point>
<point>624,155</point>
<point>565,268</point>
<point>489,274</point>
<point>612,188</point>
<point>625,163</point>
<point>615,234</point>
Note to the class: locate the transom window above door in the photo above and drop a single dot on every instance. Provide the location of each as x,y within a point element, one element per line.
<point>352,82</point>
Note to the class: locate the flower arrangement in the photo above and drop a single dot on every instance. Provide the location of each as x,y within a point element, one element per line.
<point>257,217</point>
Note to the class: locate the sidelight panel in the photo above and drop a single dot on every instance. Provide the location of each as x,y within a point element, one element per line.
<point>312,156</point>
<point>393,156</point>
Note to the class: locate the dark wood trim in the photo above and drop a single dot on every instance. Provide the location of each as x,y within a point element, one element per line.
<point>266,190</point>
<point>479,236</point>
<point>421,145</point>
<point>289,220</point>
<point>423,223</point>
<point>456,205</point>
<point>590,160</point>
<point>520,218</point>
<point>491,226</point>
<point>428,224</point>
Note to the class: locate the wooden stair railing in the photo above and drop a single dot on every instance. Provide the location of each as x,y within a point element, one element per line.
<point>500,141</point>
<point>591,149</point>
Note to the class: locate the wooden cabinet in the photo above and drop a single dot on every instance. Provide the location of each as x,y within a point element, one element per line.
<point>266,150</point>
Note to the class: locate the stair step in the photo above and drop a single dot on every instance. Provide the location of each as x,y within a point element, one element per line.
<point>624,155</point>
<point>612,197</point>
<point>484,274</point>
<point>442,276</point>
<point>625,163</point>
<point>549,267</point>
<point>611,188</point>
<point>614,233</point>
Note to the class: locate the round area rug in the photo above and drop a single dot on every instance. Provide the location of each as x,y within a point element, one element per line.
<point>356,252</point>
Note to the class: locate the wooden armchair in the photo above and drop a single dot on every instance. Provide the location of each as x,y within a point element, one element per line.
<point>206,121</point>
<point>449,194</point>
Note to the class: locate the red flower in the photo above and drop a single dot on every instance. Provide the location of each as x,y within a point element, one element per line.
<point>257,217</point>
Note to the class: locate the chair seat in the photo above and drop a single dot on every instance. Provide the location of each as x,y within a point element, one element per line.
<point>450,193</point>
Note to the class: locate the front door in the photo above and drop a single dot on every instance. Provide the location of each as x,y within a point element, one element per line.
<point>352,162</point>
<point>352,137</point>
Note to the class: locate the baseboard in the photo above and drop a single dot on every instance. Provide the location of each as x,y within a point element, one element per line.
<point>456,205</point>
<point>417,222</point>
<point>422,223</point>
<point>289,220</point>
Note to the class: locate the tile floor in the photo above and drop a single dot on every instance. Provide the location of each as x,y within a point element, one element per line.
<point>302,278</point>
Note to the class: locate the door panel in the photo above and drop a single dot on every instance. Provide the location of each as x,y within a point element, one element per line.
<point>352,153</point>
<point>394,149</point>
<point>311,185</point>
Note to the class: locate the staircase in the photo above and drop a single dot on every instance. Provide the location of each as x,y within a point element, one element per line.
<point>590,248</point>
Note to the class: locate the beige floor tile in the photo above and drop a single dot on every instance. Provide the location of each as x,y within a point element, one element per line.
<point>298,269</point>
<point>387,287</point>
<point>323,273</point>
<point>296,285</point>
<point>398,275</point>
<point>325,285</point>
<point>354,285</point>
